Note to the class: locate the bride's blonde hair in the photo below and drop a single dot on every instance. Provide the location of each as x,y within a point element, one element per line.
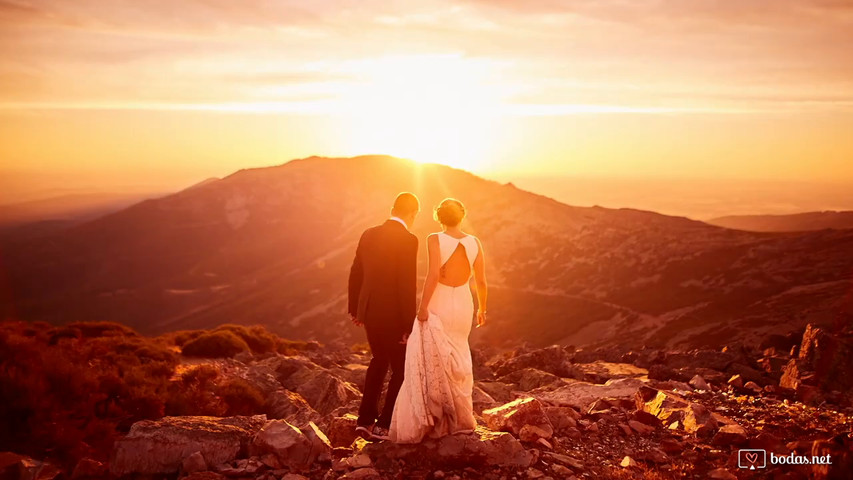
<point>450,212</point>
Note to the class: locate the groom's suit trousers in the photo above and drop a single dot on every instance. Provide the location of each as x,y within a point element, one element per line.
<point>388,352</point>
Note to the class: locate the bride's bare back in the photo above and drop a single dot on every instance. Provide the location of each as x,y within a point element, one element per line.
<point>456,270</point>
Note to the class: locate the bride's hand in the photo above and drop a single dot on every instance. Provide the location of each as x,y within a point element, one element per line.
<point>481,318</point>
<point>423,315</point>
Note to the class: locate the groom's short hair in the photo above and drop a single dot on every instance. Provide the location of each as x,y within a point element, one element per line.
<point>406,204</point>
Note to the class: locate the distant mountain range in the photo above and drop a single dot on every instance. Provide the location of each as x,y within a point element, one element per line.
<point>798,222</point>
<point>273,246</point>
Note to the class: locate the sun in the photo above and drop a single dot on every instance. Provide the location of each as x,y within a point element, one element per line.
<point>436,109</point>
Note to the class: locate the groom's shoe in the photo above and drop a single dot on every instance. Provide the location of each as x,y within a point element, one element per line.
<point>365,431</point>
<point>380,433</point>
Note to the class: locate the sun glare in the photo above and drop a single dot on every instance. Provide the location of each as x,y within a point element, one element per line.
<point>442,109</point>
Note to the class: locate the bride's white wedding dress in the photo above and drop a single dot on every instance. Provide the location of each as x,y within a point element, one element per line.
<point>435,399</point>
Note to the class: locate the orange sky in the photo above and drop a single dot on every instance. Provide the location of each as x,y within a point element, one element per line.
<point>164,93</point>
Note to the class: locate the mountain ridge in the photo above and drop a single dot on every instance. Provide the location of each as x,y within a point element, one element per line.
<point>272,245</point>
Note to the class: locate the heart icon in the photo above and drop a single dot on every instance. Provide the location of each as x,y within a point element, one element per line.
<point>752,457</point>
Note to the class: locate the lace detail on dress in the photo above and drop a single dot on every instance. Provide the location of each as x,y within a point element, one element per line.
<point>435,398</point>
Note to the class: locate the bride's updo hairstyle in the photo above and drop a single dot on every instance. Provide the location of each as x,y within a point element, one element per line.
<point>450,212</point>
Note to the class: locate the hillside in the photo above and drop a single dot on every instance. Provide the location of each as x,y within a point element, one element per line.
<point>273,246</point>
<point>799,222</point>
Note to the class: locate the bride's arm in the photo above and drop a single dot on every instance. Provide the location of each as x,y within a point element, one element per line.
<point>431,278</point>
<point>482,285</point>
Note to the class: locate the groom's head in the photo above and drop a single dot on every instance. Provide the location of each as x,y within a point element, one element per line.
<point>406,207</point>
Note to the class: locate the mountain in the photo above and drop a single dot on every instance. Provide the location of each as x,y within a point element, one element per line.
<point>32,218</point>
<point>798,222</point>
<point>274,245</point>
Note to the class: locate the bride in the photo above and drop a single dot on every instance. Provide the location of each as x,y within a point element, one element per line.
<point>435,399</point>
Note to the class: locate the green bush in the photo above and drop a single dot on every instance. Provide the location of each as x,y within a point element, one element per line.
<point>216,344</point>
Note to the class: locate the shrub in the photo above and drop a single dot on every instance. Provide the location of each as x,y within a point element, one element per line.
<point>181,337</point>
<point>216,344</point>
<point>103,329</point>
<point>240,397</point>
<point>256,337</point>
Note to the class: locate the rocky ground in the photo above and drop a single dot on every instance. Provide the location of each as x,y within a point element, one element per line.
<point>557,413</point>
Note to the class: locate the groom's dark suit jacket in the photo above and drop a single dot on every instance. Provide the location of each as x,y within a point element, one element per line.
<point>383,278</point>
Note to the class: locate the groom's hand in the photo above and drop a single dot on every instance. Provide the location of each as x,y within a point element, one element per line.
<point>405,338</point>
<point>356,321</point>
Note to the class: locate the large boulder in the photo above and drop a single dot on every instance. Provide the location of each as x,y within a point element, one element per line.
<point>285,442</point>
<point>290,406</point>
<point>580,395</point>
<point>21,467</point>
<point>524,417</point>
<point>341,430</point>
<point>830,357</point>
<point>554,359</point>
<point>160,446</point>
<point>671,408</point>
<point>600,371</point>
<point>527,379</point>
<point>479,449</point>
<point>320,388</point>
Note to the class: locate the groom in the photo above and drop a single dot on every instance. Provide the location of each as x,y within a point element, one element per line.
<point>382,291</point>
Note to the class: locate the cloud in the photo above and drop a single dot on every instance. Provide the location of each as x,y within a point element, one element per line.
<point>699,54</point>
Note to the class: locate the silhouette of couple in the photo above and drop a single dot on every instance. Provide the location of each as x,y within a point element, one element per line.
<point>430,343</point>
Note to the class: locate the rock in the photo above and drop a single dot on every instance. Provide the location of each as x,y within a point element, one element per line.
<point>663,372</point>
<point>342,430</point>
<point>564,459</point>
<point>88,468</point>
<point>194,463</point>
<point>670,408</point>
<point>532,433</point>
<point>320,388</point>
<point>360,460</point>
<point>362,474</point>
<point>721,474</point>
<point>534,473</point>
<point>699,383</point>
<point>499,391</point>
<point>628,462</point>
<point>752,386</point>
<point>516,415</point>
<point>729,435</point>
<point>646,418</point>
<point>204,476</point>
<point>562,417</point>
<point>160,446</point>
<point>321,448</point>
<point>580,395</point>
<point>478,449</point>
<point>830,357</point>
<point>600,371</point>
<point>840,451</point>
<point>481,399</point>
<point>793,373</point>
<point>293,476</point>
<point>713,359</point>
<point>290,446</point>
<point>554,359</point>
<point>527,379</point>
<point>21,467</point>
<point>545,444</point>
<point>735,381</point>
<point>808,394</point>
<point>561,471</point>
<point>290,406</point>
<point>640,428</point>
